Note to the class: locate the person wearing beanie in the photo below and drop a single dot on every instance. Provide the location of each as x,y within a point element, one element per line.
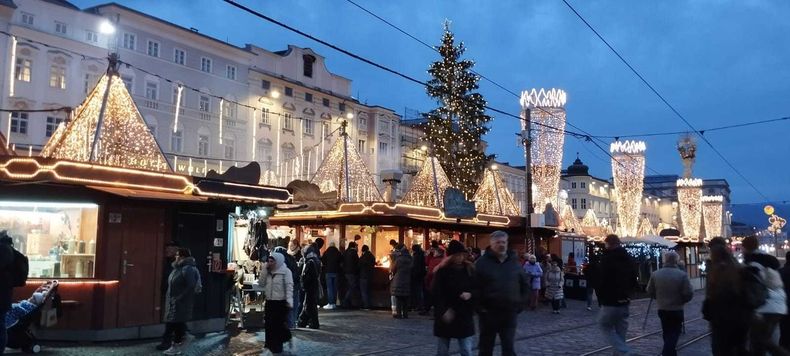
<point>278,286</point>
<point>400,286</point>
<point>453,302</point>
<point>311,285</point>
<point>367,265</point>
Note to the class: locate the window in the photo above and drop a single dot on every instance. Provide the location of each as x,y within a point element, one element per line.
<point>361,146</point>
<point>153,48</point>
<point>383,148</point>
<point>27,19</point>
<point>230,148</point>
<point>205,64</point>
<point>307,65</point>
<point>394,128</point>
<point>52,125</point>
<point>362,122</point>
<point>230,72</point>
<point>583,185</point>
<point>264,150</point>
<point>19,122</point>
<point>175,96</point>
<point>57,77</point>
<point>229,109</point>
<point>265,116</point>
<point>205,103</point>
<point>341,106</point>
<point>152,90</point>
<point>57,233</point>
<point>573,203</point>
<point>128,82</point>
<point>584,203</point>
<point>307,126</point>
<point>60,28</point>
<point>129,41</point>
<point>384,126</point>
<point>573,185</point>
<point>265,84</point>
<point>91,36</point>
<point>308,97</point>
<point>288,121</point>
<point>23,69</point>
<point>90,81</point>
<point>325,101</point>
<point>179,56</point>
<point>176,141</point>
<point>289,91</point>
<point>203,145</point>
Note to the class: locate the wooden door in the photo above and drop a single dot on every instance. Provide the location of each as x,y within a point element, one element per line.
<point>142,236</point>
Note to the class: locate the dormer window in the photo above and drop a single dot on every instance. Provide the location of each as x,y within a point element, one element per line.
<point>307,62</point>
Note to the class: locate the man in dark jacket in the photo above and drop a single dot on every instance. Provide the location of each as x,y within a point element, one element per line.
<point>503,290</point>
<point>290,262</point>
<point>417,277</point>
<point>331,260</point>
<point>616,279</point>
<point>351,271</point>
<point>311,285</point>
<point>367,264</point>
<point>6,288</point>
<point>784,326</point>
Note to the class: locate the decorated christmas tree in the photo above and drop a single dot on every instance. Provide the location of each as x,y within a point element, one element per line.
<point>429,182</point>
<point>493,197</point>
<point>357,185</point>
<point>456,127</point>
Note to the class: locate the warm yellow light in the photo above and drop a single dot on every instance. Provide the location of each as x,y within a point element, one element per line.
<point>275,94</point>
<point>493,197</point>
<point>349,115</point>
<point>628,169</point>
<point>690,203</point>
<point>423,191</point>
<point>106,27</point>
<point>331,175</point>
<point>712,211</point>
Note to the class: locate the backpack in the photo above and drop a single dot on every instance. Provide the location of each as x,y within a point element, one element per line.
<point>19,269</point>
<point>755,292</point>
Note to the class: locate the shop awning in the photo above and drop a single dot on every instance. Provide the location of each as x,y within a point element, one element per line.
<point>146,194</point>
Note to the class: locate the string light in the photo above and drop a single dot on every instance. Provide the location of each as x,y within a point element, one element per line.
<point>712,209</point>
<point>269,178</point>
<point>569,222</point>
<point>422,191</point>
<point>12,76</point>
<point>590,219</point>
<point>690,203</point>
<point>221,108</point>
<point>548,136</point>
<point>330,176</point>
<point>493,197</point>
<point>645,228</point>
<point>628,169</point>
<point>178,107</point>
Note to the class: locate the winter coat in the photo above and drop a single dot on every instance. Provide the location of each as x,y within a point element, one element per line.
<point>291,263</point>
<point>670,287</point>
<point>180,298</point>
<point>784,272</point>
<point>367,264</point>
<point>449,282</point>
<point>350,261</point>
<point>554,283</point>
<point>432,264</point>
<point>277,284</point>
<point>400,286</point>
<point>6,263</point>
<point>776,301</point>
<point>418,269</point>
<point>502,285</point>
<point>616,278</point>
<point>331,260</point>
<point>311,272</point>
<point>535,274</point>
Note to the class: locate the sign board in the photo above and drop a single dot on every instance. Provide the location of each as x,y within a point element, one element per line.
<point>115,218</point>
<point>219,242</point>
<point>220,225</point>
<point>456,205</point>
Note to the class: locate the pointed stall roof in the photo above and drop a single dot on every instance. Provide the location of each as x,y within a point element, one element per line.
<point>645,228</point>
<point>331,175</point>
<point>493,197</point>
<point>569,221</point>
<point>429,182</point>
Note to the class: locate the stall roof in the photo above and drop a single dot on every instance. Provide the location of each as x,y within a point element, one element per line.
<point>145,194</point>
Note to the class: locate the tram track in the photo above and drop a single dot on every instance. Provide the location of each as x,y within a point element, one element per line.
<point>655,332</point>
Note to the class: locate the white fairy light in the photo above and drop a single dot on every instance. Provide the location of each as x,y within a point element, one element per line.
<point>712,209</point>
<point>628,169</point>
<point>690,204</point>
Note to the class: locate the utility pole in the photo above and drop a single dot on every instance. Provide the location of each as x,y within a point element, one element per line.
<point>526,140</point>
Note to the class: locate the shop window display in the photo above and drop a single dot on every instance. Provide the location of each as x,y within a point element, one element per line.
<point>59,239</point>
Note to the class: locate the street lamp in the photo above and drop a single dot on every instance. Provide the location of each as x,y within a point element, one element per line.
<point>274,94</point>
<point>106,27</point>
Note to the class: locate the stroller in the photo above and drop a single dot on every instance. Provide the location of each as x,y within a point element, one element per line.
<point>41,309</point>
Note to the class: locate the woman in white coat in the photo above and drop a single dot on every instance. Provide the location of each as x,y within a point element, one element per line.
<point>278,287</point>
<point>554,283</point>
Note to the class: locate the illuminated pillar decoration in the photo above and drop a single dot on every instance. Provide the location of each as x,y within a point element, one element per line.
<point>427,187</point>
<point>124,139</point>
<point>712,211</point>
<point>331,176</point>
<point>493,197</point>
<point>569,222</point>
<point>546,109</point>
<point>628,169</point>
<point>645,228</point>
<point>690,203</point>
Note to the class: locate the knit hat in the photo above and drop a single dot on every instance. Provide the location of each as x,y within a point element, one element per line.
<point>455,247</point>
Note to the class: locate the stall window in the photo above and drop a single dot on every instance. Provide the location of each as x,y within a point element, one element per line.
<point>59,239</point>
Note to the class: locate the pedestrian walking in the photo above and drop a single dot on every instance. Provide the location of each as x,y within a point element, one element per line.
<point>14,270</point>
<point>331,263</point>
<point>671,288</point>
<point>725,306</point>
<point>400,286</point>
<point>367,264</point>
<point>534,275</point>
<point>418,271</point>
<point>433,260</point>
<point>554,286</point>
<point>311,285</point>
<point>616,281</point>
<point>588,271</point>
<point>295,251</point>
<point>454,313</point>
<point>544,266</point>
<point>292,266</point>
<point>277,283</point>
<point>502,286</point>
<point>784,325</point>
<point>351,272</point>
<point>182,285</point>
<point>769,314</point>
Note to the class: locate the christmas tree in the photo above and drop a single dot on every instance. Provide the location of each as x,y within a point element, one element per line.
<point>456,127</point>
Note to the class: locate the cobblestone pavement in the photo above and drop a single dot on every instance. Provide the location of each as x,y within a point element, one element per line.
<point>573,332</point>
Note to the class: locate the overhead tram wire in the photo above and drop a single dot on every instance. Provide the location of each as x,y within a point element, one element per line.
<point>662,99</point>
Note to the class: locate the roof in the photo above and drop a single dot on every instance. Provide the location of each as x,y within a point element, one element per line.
<point>63,3</point>
<point>8,3</point>
<point>296,82</point>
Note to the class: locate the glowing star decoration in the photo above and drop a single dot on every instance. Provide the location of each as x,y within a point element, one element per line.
<point>712,210</point>
<point>569,222</point>
<point>690,204</point>
<point>645,228</point>
<point>429,181</point>
<point>493,197</point>
<point>628,169</point>
<point>546,110</point>
<point>124,138</point>
<point>331,174</point>
<point>269,178</point>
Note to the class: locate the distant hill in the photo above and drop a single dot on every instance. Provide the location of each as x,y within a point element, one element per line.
<point>752,214</point>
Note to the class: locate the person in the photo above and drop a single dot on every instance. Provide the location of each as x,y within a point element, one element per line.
<point>182,285</point>
<point>400,286</point>
<point>278,286</point>
<point>367,264</point>
<point>417,277</point>
<point>534,274</point>
<point>616,279</point>
<point>544,266</point>
<point>554,285</point>
<point>8,269</point>
<point>452,290</point>
<point>295,251</point>
<point>331,263</point>
<point>351,272</point>
<point>768,315</point>
<point>19,310</point>
<point>502,287</point>
<point>570,267</point>
<point>671,288</point>
<point>394,253</point>
<point>293,267</point>
<point>433,260</point>
<point>588,271</point>
<point>784,325</point>
<point>724,306</point>
<point>311,285</point>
